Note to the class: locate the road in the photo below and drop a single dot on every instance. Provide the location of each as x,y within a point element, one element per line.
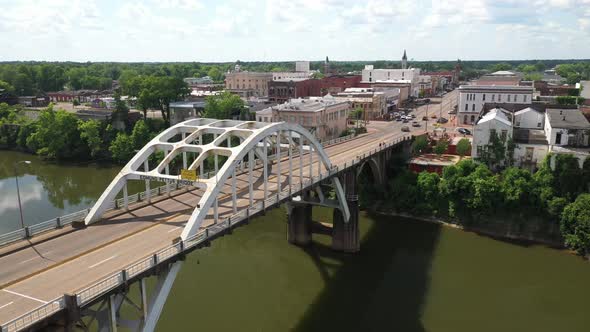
<point>70,261</point>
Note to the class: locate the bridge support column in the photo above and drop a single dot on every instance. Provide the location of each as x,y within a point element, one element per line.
<point>299,223</point>
<point>345,235</point>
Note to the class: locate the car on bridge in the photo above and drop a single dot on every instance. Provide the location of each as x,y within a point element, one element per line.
<point>464,131</point>
<point>415,124</point>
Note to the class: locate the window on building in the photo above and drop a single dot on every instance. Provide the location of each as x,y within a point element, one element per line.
<point>509,98</point>
<point>524,98</point>
<point>465,118</point>
<point>492,133</point>
<point>539,124</point>
<point>518,123</point>
<point>558,138</point>
<point>484,97</point>
<point>515,98</point>
<point>473,107</point>
<point>499,98</point>
<point>467,107</point>
<point>493,97</point>
<point>472,119</point>
<point>504,134</point>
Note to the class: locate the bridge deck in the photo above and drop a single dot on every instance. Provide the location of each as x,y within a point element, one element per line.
<point>35,275</point>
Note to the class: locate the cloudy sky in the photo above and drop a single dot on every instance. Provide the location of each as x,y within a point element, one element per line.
<point>269,30</point>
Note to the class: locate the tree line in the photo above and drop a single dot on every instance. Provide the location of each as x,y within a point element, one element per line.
<point>469,193</point>
<point>29,78</point>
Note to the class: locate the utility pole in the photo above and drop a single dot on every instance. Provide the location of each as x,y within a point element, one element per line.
<point>22,222</point>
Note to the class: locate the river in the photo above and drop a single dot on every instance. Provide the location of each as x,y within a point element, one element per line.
<point>409,275</point>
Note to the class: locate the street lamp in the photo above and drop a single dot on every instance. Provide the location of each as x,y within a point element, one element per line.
<point>22,222</point>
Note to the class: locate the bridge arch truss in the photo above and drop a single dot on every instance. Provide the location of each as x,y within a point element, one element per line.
<point>239,146</point>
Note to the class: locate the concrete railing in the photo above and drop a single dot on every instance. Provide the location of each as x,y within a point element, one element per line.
<point>88,294</point>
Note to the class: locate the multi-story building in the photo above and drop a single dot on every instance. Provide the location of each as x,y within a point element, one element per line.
<point>411,76</point>
<point>473,97</point>
<point>373,101</point>
<point>248,83</point>
<point>326,118</point>
<point>282,90</point>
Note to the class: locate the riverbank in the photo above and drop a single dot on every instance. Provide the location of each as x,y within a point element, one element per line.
<point>507,234</point>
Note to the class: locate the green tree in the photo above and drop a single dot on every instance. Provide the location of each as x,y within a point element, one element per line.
<point>501,66</point>
<point>57,135</point>
<point>6,87</point>
<point>441,146</point>
<point>140,135</point>
<point>515,186</point>
<point>568,175</point>
<point>533,77</point>
<point>122,148</point>
<point>224,106</point>
<point>90,134</point>
<point>575,224</point>
<point>159,92</point>
<point>215,74</point>
<point>420,144</point>
<point>463,147</point>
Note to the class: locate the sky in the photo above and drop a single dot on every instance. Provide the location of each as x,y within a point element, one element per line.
<point>288,30</point>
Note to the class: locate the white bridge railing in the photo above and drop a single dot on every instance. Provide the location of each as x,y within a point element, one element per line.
<point>86,295</point>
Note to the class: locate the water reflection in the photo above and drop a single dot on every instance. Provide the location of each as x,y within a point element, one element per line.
<point>48,190</point>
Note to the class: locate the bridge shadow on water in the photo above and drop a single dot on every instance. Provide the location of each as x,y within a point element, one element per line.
<point>383,287</point>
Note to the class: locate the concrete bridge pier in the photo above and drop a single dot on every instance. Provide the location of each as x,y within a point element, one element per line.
<point>345,235</point>
<point>299,223</point>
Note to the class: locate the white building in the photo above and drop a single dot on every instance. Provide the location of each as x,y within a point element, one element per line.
<point>535,134</point>
<point>372,75</point>
<point>473,97</point>
<point>302,66</point>
<point>495,122</point>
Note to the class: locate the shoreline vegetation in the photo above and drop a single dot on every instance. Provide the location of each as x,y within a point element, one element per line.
<point>550,206</point>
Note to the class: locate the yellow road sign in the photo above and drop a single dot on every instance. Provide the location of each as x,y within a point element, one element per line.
<point>187,174</point>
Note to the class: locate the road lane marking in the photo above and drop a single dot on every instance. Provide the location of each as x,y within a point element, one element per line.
<point>30,259</point>
<point>25,296</point>
<point>104,260</point>
<point>6,305</point>
<point>173,229</point>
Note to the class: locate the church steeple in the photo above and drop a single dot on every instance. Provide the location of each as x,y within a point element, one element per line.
<point>405,61</point>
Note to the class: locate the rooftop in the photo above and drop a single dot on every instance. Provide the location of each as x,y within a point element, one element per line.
<point>314,104</point>
<point>567,118</point>
<point>496,114</point>
<point>503,73</point>
<point>515,88</point>
<point>435,160</point>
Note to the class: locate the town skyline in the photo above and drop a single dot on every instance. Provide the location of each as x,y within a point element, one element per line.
<point>271,31</point>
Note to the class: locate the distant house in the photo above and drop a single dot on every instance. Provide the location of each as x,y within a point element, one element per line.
<point>40,100</point>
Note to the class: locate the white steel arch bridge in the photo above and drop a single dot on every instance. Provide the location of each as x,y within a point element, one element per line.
<point>240,143</point>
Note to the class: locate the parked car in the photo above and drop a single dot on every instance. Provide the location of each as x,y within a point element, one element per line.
<point>405,128</point>
<point>464,131</point>
<point>399,118</point>
<point>413,116</point>
<point>433,116</point>
<point>405,121</point>
<point>442,120</point>
<point>415,124</point>
<point>424,118</point>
